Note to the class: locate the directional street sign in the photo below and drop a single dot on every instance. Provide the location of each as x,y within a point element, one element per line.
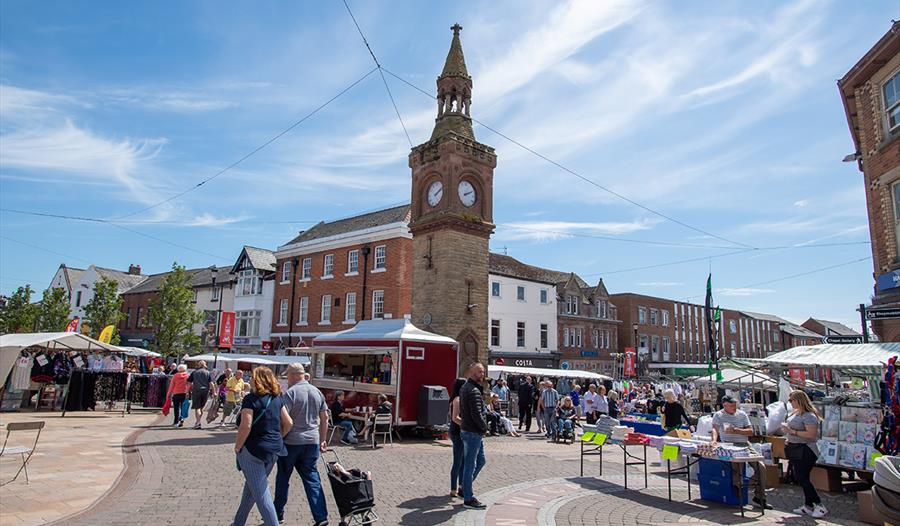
<point>882,314</point>
<point>843,339</point>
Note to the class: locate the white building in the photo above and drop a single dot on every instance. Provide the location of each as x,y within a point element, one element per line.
<point>83,291</point>
<point>522,314</point>
<point>211,301</point>
<point>66,278</point>
<point>254,295</point>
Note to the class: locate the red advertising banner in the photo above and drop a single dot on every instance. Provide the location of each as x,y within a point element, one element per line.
<point>266,345</point>
<point>798,376</point>
<point>628,364</point>
<point>73,325</point>
<point>226,330</point>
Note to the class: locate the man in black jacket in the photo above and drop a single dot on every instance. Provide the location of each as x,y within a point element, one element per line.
<point>525,394</point>
<point>471,412</point>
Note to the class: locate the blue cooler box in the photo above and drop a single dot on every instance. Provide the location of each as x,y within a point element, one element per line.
<point>715,468</point>
<point>720,490</point>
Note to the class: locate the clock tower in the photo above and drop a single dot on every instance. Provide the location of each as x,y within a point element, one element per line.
<point>452,217</point>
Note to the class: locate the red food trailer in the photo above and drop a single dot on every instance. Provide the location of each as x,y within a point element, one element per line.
<point>390,357</point>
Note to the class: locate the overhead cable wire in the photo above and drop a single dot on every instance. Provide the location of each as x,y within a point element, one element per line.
<point>44,249</point>
<point>583,178</point>
<point>252,152</point>
<point>671,263</point>
<point>380,72</point>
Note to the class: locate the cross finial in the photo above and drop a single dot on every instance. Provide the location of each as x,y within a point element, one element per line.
<point>456,28</point>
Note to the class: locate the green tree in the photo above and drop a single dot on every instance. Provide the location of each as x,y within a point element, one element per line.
<point>105,308</point>
<point>18,314</point>
<point>172,314</point>
<point>53,312</point>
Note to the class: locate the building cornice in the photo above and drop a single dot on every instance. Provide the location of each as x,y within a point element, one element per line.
<point>356,237</point>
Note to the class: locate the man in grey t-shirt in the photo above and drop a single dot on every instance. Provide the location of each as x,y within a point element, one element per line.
<point>733,425</point>
<point>306,439</point>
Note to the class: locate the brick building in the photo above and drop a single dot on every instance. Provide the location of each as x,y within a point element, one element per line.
<point>829,328</point>
<point>338,273</point>
<point>671,336</point>
<point>871,95</point>
<point>135,329</point>
<point>588,326</point>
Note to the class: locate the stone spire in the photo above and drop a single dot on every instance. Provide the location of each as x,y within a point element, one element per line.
<point>454,93</point>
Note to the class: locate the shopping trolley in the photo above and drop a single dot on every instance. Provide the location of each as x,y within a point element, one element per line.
<point>353,493</point>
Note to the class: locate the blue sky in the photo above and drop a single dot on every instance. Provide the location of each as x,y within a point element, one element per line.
<point>722,115</point>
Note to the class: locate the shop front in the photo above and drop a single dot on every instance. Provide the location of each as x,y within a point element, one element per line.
<point>525,359</point>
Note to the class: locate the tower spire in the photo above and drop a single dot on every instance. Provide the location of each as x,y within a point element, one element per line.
<point>454,93</point>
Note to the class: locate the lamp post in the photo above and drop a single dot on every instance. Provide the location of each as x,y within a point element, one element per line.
<point>637,349</point>
<point>217,297</point>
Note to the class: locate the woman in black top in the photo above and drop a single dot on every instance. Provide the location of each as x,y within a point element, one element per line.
<point>673,412</point>
<point>264,422</point>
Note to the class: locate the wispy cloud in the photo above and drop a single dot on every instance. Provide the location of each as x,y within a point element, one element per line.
<point>553,230</point>
<point>742,292</point>
<point>660,284</point>
<point>801,203</point>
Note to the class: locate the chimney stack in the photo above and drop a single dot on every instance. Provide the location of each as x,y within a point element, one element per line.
<point>134,270</point>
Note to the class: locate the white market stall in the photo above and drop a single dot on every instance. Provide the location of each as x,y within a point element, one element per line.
<point>494,371</point>
<point>220,361</point>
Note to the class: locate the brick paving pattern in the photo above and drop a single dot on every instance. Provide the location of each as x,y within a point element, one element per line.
<point>188,476</point>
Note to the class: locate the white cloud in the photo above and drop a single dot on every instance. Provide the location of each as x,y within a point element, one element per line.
<point>553,230</point>
<point>742,291</point>
<point>801,203</point>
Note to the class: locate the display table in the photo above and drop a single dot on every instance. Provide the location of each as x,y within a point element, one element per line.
<point>692,459</point>
<point>592,448</point>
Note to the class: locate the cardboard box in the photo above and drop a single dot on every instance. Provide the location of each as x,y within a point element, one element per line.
<point>680,433</point>
<point>867,511</point>
<point>777,446</point>
<point>826,479</point>
<point>773,476</point>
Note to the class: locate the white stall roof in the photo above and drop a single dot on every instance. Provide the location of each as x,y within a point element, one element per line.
<point>258,359</point>
<point>738,376</point>
<point>382,330</point>
<point>62,340</point>
<point>856,356</point>
<point>495,370</point>
<point>137,351</point>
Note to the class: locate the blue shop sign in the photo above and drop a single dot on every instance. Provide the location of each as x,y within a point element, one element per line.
<point>889,280</point>
<point>590,353</point>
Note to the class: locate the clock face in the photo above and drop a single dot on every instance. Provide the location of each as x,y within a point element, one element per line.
<point>467,193</point>
<point>435,193</point>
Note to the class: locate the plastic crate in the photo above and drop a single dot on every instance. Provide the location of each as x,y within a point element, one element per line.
<point>715,468</point>
<point>721,490</point>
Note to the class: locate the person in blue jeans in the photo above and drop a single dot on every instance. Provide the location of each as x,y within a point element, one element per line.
<point>341,418</point>
<point>264,421</point>
<point>307,438</point>
<point>456,469</point>
<point>471,414</point>
<point>565,417</point>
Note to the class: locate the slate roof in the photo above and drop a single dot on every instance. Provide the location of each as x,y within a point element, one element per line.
<point>836,327</point>
<point>125,280</point>
<point>73,275</point>
<point>765,317</point>
<point>796,330</point>
<point>200,277</point>
<point>513,268</point>
<point>387,216</point>
<point>260,258</point>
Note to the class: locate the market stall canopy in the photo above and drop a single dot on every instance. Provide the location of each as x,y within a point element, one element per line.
<point>381,330</point>
<point>12,344</point>
<point>494,371</point>
<point>864,358</point>
<point>137,351</point>
<point>739,377</point>
<point>256,359</point>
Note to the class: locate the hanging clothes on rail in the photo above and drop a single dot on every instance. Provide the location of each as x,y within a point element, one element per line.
<point>21,374</point>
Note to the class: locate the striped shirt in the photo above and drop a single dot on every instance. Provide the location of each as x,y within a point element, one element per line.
<point>738,420</point>
<point>549,397</point>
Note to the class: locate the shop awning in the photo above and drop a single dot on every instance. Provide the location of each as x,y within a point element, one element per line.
<point>256,359</point>
<point>338,349</point>
<point>863,358</point>
<point>494,371</point>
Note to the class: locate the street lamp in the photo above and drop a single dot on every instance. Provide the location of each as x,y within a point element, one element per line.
<point>637,349</point>
<point>218,299</point>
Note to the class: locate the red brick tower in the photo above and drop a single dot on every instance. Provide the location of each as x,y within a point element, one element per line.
<point>452,217</point>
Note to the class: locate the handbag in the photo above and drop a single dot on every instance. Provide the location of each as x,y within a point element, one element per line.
<point>794,451</point>
<point>166,406</point>
<point>255,420</point>
<point>185,409</point>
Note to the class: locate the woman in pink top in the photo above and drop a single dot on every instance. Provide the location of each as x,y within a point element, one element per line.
<point>178,387</point>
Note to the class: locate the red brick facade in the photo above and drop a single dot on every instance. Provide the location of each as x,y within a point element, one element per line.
<point>588,327</point>
<point>877,143</point>
<point>394,281</point>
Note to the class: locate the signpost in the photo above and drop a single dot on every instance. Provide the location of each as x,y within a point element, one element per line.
<point>843,339</point>
<point>883,314</point>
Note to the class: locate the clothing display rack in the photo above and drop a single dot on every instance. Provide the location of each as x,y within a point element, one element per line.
<point>146,392</point>
<point>87,388</point>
